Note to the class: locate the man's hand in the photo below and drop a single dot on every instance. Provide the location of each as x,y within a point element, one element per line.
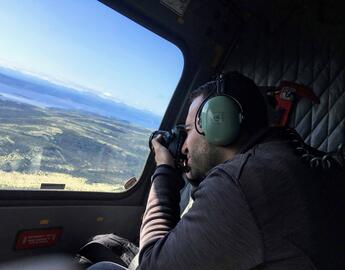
<point>162,155</point>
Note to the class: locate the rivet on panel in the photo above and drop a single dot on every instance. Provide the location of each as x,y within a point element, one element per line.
<point>180,20</point>
<point>100,219</point>
<point>44,221</point>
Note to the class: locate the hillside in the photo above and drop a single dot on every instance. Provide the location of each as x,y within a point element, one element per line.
<point>50,141</point>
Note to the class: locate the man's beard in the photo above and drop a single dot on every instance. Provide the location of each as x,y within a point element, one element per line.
<point>203,158</point>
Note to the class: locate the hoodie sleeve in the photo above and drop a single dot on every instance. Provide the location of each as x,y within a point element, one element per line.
<point>218,232</point>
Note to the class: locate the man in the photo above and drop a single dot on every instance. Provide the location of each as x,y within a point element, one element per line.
<point>256,205</point>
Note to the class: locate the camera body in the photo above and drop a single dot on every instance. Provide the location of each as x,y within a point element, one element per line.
<point>173,140</point>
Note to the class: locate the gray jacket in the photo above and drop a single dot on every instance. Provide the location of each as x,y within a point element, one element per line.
<point>264,209</point>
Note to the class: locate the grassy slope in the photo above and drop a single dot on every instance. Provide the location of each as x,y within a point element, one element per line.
<point>90,148</point>
<point>15,180</point>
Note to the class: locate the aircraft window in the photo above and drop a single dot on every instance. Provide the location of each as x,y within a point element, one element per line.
<point>81,89</point>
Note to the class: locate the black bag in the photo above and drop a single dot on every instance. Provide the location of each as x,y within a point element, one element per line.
<point>107,247</point>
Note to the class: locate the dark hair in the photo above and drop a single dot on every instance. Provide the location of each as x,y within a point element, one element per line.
<point>246,92</point>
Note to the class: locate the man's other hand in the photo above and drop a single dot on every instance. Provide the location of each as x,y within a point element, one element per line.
<point>162,154</point>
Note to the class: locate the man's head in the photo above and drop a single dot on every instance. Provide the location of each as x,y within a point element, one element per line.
<point>203,155</point>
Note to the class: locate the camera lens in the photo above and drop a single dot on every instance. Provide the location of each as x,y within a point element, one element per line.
<point>173,140</point>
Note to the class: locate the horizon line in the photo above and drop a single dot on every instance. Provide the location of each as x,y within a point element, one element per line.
<point>72,85</point>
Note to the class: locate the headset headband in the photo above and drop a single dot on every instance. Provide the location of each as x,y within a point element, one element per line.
<point>220,84</point>
<point>221,90</point>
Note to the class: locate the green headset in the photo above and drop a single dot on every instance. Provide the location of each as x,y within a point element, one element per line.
<point>219,116</point>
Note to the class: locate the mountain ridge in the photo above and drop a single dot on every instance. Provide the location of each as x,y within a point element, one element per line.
<point>29,89</point>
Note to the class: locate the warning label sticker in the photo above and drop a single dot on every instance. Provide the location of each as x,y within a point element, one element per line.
<point>37,238</point>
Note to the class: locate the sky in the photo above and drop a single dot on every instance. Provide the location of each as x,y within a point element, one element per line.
<point>85,44</point>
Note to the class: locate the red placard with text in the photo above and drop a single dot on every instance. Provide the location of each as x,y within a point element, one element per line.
<point>37,238</point>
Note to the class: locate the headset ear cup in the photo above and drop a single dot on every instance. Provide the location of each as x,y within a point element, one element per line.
<point>220,118</point>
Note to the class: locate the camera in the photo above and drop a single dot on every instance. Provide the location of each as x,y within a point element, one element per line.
<point>173,140</point>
